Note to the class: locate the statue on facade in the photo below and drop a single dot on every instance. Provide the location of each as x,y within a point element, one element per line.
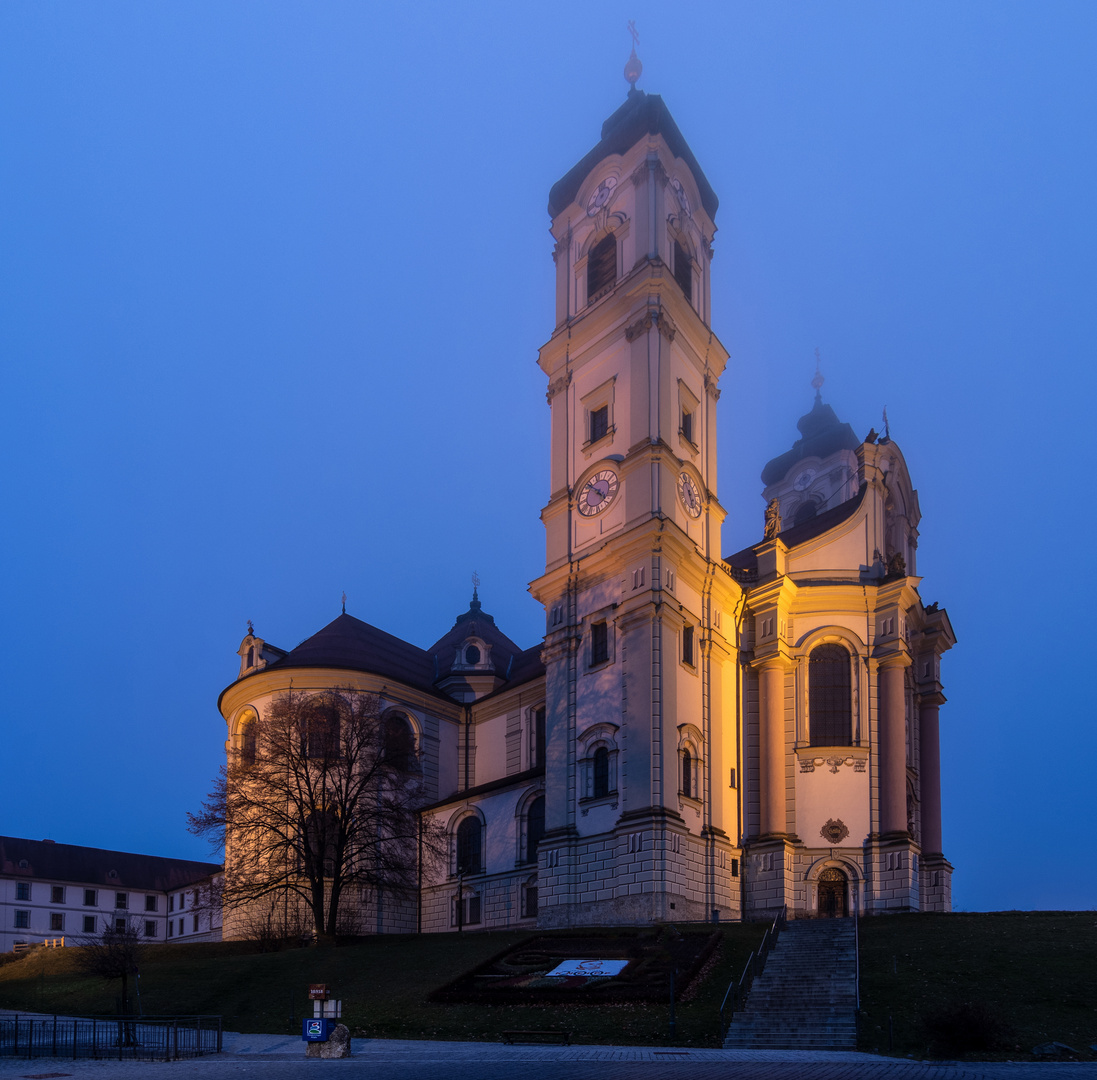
<point>773,519</point>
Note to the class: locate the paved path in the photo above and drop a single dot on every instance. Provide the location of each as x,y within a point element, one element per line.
<point>279,1057</point>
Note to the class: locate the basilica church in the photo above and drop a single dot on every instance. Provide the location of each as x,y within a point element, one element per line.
<point>699,735</point>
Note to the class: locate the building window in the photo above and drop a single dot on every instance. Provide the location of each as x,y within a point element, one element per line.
<point>22,920</point>
<point>687,774</point>
<point>601,267</point>
<point>171,902</point>
<point>472,655</point>
<point>830,696</point>
<point>150,928</point>
<point>529,899</point>
<point>150,903</point>
<point>734,867</point>
<point>687,426</point>
<point>599,423</point>
<point>683,270</point>
<point>469,846</point>
<point>248,741</point>
<point>120,900</point>
<point>399,737</point>
<point>535,827</point>
<point>687,645</point>
<point>599,643</point>
<point>89,924</point>
<point>194,924</point>
<point>120,926</point>
<point>466,911</point>
<point>57,921</point>
<point>57,894</point>
<point>171,927</point>
<point>600,767</point>
<point>321,731</point>
<point>22,890</point>
<point>90,898</point>
<point>182,900</point>
<point>537,738</point>
<point>182,925</point>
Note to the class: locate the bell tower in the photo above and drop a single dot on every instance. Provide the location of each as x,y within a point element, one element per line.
<point>642,740</point>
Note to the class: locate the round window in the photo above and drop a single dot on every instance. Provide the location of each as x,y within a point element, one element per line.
<point>472,655</point>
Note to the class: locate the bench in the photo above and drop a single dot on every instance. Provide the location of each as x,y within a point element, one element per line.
<point>562,1037</point>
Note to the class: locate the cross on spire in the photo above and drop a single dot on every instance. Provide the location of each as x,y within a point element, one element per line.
<point>633,68</point>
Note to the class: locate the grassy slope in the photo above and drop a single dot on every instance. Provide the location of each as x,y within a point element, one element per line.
<point>383,983</point>
<point>1036,971</point>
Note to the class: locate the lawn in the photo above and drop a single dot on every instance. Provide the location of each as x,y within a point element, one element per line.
<point>383,981</point>
<point>1031,974</point>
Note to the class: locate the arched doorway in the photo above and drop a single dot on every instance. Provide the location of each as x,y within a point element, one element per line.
<point>833,894</point>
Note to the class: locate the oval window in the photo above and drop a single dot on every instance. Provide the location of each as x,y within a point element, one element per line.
<point>472,655</point>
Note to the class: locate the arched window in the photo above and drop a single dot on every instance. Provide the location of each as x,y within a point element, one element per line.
<point>687,774</point>
<point>535,827</point>
<point>470,840</point>
<point>601,772</point>
<point>683,270</point>
<point>601,266</point>
<point>248,741</point>
<point>321,731</point>
<point>830,696</point>
<point>399,742</point>
<point>805,512</point>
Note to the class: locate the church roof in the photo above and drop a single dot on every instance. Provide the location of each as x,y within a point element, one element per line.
<point>479,624</point>
<point>48,861</point>
<point>347,642</point>
<point>642,114</point>
<point>747,559</point>
<point>821,434</point>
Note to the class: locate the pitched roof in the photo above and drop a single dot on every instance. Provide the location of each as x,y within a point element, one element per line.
<point>479,624</point>
<point>68,862</point>
<point>642,114</point>
<point>747,559</point>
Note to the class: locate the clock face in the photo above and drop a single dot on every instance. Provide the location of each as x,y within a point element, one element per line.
<point>803,481</point>
<point>689,494</point>
<point>598,492</point>
<point>601,195</point>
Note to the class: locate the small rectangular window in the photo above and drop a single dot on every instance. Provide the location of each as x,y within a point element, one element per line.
<point>22,920</point>
<point>683,271</point>
<point>89,924</point>
<point>171,927</point>
<point>57,921</point>
<point>89,898</point>
<point>734,867</point>
<point>171,902</point>
<point>57,894</point>
<point>182,900</point>
<point>182,927</point>
<point>599,423</point>
<point>529,897</point>
<point>150,903</point>
<point>194,924</point>
<point>687,645</point>
<point>473,910</point>
<point>601,267</point>
<point>599,643</point>
<point>121,900</point>
<point>732,780</point>
<point>687,426</point>
<point>120,926</point>
<point>150,928</point>
<point>22,890</point>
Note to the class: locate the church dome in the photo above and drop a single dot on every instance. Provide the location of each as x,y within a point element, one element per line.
<point>821,434</point>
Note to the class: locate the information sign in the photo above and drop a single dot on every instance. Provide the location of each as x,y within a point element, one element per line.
<point>590,968</point>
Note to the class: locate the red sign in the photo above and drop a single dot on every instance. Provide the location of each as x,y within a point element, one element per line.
<point>318,992</point>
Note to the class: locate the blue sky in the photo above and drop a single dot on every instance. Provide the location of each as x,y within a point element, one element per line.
<point>273,278</point>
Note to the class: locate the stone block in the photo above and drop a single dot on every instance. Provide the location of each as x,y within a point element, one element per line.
<point>337,1046</point>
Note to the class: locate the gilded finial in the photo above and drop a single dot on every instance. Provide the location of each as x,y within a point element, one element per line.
<point>818,381</point>
<point>633,69</point>
<point>344,601</point>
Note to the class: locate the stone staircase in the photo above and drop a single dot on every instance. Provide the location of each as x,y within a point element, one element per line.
<point>806,999</point>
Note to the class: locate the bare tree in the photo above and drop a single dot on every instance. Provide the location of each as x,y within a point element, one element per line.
<point>319,803</point>
<point>113,954</point>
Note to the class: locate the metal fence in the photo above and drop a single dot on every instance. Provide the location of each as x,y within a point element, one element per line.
<point>157,1038</point>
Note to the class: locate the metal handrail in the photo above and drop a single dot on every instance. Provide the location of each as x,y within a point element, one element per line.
<point>755,965</point>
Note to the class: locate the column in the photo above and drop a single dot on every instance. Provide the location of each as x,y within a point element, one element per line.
<point>771,739</point>
<point>893,746</point>
<point>929,770</point>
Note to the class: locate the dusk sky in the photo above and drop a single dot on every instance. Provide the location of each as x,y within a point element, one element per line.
<point>273,278</point>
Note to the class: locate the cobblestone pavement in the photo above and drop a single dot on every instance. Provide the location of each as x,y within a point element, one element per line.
<point>278,1057</point>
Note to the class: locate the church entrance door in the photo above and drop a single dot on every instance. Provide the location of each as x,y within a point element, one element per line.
<point>833,894</point>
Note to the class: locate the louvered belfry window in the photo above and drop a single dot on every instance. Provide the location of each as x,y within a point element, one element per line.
<point>830,696</point>
<point>601,266</point>
<point>683,271</point>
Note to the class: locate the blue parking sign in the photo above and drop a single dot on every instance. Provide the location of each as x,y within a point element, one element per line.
<point>315,1029</point>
